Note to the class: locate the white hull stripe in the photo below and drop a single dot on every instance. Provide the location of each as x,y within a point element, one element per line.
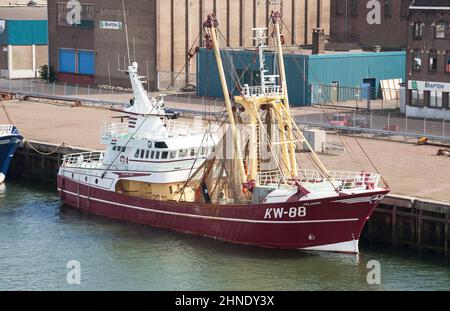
<point>355,200</point>
<point>212,217</point>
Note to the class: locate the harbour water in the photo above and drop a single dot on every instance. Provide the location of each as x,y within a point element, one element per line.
<point>39,236</point>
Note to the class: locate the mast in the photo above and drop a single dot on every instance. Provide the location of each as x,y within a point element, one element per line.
<point>212,23</point>
<point>290,137</point>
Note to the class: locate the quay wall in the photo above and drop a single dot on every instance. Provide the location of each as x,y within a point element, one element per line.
<point>399,221</point>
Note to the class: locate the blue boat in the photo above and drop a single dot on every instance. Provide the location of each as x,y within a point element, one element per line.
<point>10,139</point>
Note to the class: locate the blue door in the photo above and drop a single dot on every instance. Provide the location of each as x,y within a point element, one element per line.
<point>67,61</point>
<point>86,62</point>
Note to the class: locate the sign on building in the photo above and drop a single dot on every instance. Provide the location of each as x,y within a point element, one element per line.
<point>110,25</point>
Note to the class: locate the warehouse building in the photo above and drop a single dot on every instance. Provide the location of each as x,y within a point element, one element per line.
<point>161,34</point>
<point>428,65</point>
<point>23,41</point>
<point>369,23</point>
<point>305,72</point>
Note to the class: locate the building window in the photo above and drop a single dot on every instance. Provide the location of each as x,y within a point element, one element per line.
<point>447,61</point>
<point>405,8</point>
<point>417,60</point>
<point>436,99</point>
<point>340,7</point>
<point>433,60</point>
<point>354,7</point>
<point>446,99</point>
<point>441,30</point>
<point>86,19</point>
<point>418,30</point>
<point>417,98</point>
<point>388,8</point>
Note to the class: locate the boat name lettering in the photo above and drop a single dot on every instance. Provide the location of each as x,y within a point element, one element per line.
<point>278,213</point>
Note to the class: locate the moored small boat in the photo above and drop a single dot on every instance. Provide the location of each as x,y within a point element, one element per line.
<point>10,139</point>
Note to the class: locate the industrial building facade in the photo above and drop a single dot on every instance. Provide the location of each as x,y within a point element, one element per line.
<point>428,62</point>
<point>306,74</point>
<point>23,41</point>
<point>161,33</point>
<point>370,23</point>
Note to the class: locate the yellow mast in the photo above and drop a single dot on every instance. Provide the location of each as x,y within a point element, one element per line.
<point>211,23</point>
<point>290,136</point>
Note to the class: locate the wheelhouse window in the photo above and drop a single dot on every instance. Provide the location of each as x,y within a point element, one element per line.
<point>152,155</point>
<point>161,145</point>
<point>417,30</point>
<point>441,30</point>
<point>157,155</point>
<point>192,152</point>
<point>173,154</point>
<point>147,154</point>
<point>136,155</point>
<point>164,155</point>
<point>433,60</point>
<point>388,8</point>
<point>142,154</point>
<point>417,60</point>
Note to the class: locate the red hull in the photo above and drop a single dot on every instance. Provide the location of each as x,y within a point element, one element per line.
<point>326,221</point>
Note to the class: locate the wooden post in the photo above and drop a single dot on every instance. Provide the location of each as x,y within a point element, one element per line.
<point>394,225</point>
<point>446,235</point>
<point>419,230</point>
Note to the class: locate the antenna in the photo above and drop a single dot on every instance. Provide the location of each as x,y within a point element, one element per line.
<point>126,31</point>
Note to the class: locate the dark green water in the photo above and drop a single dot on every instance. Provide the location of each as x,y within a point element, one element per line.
<point>39,235</point>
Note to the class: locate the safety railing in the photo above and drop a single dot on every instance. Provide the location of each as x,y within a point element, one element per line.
<point>255,91</point>
<point>91,160</point>
<point>6,129</point>
<point>340,179</point>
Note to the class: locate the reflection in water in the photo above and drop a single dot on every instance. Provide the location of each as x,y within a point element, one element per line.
<point>39,236</point>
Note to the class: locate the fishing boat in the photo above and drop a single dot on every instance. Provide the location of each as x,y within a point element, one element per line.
<point>239,180</point>
<point>10,139</point>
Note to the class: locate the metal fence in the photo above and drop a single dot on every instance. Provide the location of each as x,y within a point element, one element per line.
<point>378,124</point>
<point>176,81</point>
<point>357,97</point>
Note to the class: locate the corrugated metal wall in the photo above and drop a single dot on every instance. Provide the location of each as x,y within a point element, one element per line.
<point>25,32</point>
<point>246,65</point>
<point>349,69</point>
